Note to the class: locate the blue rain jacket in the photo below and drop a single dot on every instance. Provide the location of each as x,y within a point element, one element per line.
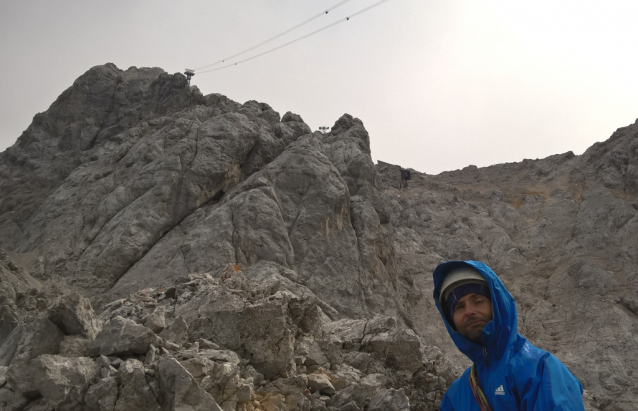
<point>513,374</point>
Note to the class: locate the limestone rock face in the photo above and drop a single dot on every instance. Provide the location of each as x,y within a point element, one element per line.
<point>142,166</point>
<point>561,234</point>
<point>102,103</point>
<point>297,212</point>
<point>235,259</point>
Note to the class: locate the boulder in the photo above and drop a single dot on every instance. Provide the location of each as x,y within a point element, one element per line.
<point>6,397</point>
<point>245,393</point>
<point>199,367</point>
<point>74,315</point>
<point>335,381</point>
<point>308,353</point>
<point>156,322</point>
<point>351,406</point>
<point>224,382</point>
<point>134,393</point>
<point>177,331</point>
<point>399,345</point>
<point>102,395</point>
<point>390,400</point>
<point>121,336</point>
<point>261,330</point>
<point>321,383</point>
<point>346,333</point>
<point>73,346</point>
<point>358,360</point>
<point>60,380</point>
<point>360,392</point>
<point>31,339</point>
<point>3,375</point>
<point>179,389</point>
<point>151,355</point>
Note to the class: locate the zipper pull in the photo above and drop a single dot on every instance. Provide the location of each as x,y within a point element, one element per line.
<point>487,363</point>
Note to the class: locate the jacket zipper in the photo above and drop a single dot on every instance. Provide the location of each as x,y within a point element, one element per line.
<point>487,363</point>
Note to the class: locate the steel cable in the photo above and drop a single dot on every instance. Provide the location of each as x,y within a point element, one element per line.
<point>298,39</point>
<point>277,36</point>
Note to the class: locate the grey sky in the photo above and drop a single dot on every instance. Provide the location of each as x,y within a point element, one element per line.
<point>438,84</point>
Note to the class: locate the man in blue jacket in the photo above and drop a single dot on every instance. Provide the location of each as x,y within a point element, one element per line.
<point>508,372</point>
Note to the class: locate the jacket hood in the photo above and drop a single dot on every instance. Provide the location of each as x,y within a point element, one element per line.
<point>499,333</point>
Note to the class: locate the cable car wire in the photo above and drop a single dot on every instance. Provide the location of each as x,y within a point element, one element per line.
<point>323,13</point>
<point>298,39</point>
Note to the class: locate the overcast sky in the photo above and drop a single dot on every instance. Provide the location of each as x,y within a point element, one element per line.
<point>439,84</point>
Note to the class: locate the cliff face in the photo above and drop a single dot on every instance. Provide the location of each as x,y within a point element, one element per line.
<point>562,234</point>
<point>256,255</point>
<point>141,180</point>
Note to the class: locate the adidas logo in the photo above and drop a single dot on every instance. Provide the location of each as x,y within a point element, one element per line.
<point>499,391</point>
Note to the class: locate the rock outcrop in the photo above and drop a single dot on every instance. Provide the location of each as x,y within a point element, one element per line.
<point>249,344</point>
<point>169,250</point>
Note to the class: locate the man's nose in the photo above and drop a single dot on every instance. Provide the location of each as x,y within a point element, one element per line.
<point>470,309</point>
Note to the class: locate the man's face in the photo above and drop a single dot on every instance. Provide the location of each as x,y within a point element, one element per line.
<point>471,313</point>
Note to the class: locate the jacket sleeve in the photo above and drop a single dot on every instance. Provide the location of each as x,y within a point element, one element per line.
<point>552,387</point>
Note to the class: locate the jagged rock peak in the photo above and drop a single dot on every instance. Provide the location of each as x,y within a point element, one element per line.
<point>351,127</point>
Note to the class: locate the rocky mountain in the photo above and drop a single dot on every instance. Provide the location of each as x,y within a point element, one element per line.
<point>169,250</point>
